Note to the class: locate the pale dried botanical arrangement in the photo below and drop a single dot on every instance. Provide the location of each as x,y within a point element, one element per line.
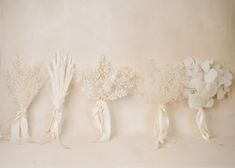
<point>61,74</point>
<point>207,81</point>
<point>201,82</point>
<point>162,85</point>
<point>104,83</point>
<point>24,82</point>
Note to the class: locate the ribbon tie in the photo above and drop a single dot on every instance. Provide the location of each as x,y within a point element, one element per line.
<point>55,127</point>
<point>19,128</point>
<point>202,124</point>
<point>54,131</point>
<point>162,126</point>
<point>102,119</point>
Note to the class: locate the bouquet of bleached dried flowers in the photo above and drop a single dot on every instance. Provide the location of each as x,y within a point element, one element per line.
<point>106,83</point>
<point>207,81</point>
<point>162,85</point>
<point>24,82</point>
<point>61,74</point>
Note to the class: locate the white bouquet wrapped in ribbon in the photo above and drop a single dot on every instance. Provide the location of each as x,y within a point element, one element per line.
<point>61,74</point>
<point>104,83</point>
<point>162,85</point>
<point>24,82</point>
<point>207,81</point>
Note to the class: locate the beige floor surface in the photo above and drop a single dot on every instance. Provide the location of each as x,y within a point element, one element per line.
<point>121,152</point>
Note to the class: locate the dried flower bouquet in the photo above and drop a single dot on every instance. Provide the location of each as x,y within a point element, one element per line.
<point>162,85</point>
<point>207,81</point>
<point>104,83</point>
<point>61,74</point>
<point>24,82</point>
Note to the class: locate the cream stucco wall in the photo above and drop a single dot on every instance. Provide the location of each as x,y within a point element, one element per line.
<point>127,32</point>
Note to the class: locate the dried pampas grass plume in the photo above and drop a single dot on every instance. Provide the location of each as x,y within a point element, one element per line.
<point>61,74</point>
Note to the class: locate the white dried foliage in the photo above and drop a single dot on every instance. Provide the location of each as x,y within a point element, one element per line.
<point>24,82</point>
<point>61,73</point>
<point>106,82</point>
<point>162,85</point>
<point>207,80</point>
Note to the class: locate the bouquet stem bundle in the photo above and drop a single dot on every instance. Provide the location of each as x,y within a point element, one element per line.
<point>102,120</point>
<point>202,124</point>
<point>162,126</point>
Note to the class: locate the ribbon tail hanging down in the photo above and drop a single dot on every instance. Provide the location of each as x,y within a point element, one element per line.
<point>24,129</point>
<point>15,132</point>
<point>162,126</point>
<point>102,120</point>
<point>19,128</point>
<point>202,124</point>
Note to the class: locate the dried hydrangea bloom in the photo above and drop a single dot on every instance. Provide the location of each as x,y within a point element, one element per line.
<point>24,82</point>
<point>104,83</point>
<point>208,80</point>
<point>162,85</point>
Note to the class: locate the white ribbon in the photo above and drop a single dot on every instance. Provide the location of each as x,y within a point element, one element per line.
<point>202,124</point>
<point>19,128</point>
<point>54,131</point>
<point>55,128</point>
<point>102,119</point>
<point>162,126</point>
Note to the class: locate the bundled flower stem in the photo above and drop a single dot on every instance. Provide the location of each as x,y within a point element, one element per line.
<point>163,86</point>
<point>24,82</point>
<point>161,125</point>
<point>106,83</point>
<point>61,74</point>
<point>207,81</point>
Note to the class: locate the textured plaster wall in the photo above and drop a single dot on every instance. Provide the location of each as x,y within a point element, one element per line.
<point>127,32</point>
